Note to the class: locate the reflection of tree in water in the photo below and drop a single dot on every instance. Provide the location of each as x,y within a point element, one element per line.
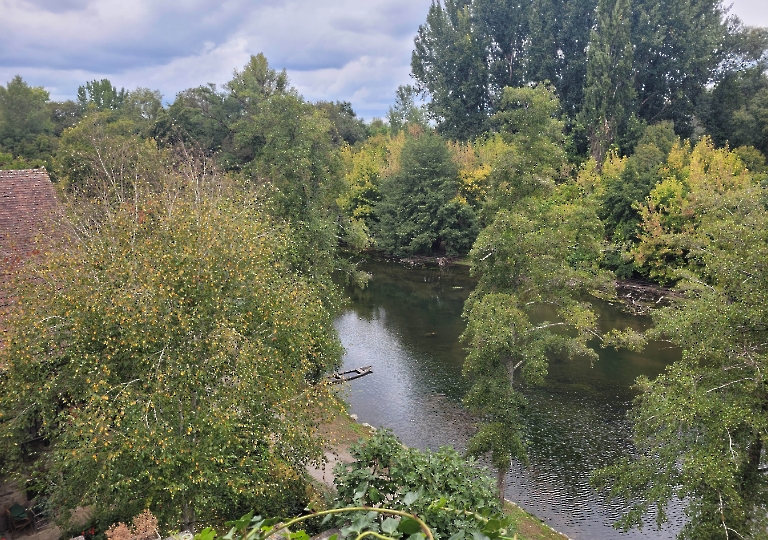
<point>421,303</point>
<point>423,306</point>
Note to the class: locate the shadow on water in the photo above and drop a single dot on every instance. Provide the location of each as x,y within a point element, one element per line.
<point>406,324</point>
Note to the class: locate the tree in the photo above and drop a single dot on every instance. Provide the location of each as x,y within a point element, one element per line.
<point>202,117</point>
<point>539,252</point>
<point>365,167</point>
<point>609,93</point>
<point>405,111</point>
<point>628,181</point>
<point>700,427</point>
<point>528,125</point>
<point>101,95</point>
<point>556,52</point>
<point>673,209</point>
<point>170,355</point>
<point>419,212</point>
<point>280,144</point>
<point>346,127</point>
<point>678,48</point>
<point>449,64</point>
<point>25,123</point>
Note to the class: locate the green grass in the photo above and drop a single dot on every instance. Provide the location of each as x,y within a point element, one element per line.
<point>528,526</point>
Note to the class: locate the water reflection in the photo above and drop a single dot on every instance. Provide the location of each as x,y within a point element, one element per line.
<point>407,323</point>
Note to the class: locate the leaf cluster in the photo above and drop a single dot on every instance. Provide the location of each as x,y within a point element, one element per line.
<point>452,495</point>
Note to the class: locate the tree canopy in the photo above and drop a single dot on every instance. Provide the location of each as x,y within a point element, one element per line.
<point>170,354</point>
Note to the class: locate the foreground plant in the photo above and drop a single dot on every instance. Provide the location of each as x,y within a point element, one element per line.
<point>361,522</point>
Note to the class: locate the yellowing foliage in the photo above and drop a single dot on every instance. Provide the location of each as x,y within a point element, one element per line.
<point>692,179</point>
<point>173,358</point>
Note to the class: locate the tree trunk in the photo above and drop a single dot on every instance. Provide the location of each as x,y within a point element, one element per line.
<point>188,517</point>
<point>500,474</point>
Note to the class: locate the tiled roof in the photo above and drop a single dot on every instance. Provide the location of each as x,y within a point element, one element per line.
<point>28,203</point>
<point>28,207</point>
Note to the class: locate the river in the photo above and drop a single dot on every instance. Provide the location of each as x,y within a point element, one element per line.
<point>406,324</point>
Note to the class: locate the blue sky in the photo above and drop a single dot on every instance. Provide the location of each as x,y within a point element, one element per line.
<point>348,50</point>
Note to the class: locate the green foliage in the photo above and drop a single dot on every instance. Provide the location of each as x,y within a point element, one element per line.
<point>8,162</point>
<point>345,126</point>
<point>170,354</point>
<point>25,125</point>
<point>405,111</point>
<point>453,496</point>
<point>538,254</point>
<point>735,112</point>
<point>420,212</point>
<point>449,64</point>
<point>700,427</point>
<point>608,93</point>
<point>101,95</point>
<point>365,167</point>
<point>201,117</point>
<point>678,48</point>
<point>103,158</point>
<point>629,181</point>
<point>468,51</point>
<point>534,153</point>
<point>674,208</point>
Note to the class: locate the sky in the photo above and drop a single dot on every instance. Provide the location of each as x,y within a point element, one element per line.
<point>334,50</point>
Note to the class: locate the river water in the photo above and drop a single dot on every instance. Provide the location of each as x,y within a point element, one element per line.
<point>406,324</point>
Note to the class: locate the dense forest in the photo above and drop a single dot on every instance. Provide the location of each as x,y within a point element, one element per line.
<point>171,348</point>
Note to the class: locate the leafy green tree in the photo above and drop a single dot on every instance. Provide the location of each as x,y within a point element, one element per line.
<point>101,95</point>
<point>449,64</point>
<point>290,156</point>
<point>734,110</point>
<point>467,52</point>
<point>700,427</point>
<point>609,93</point>
<point>64,114</point>
<point>539,253</point>
<point>556,51</point>
<point>25,122</point>
<point>170,355</point>
<point>404,111</point>
<point>103,157</point>
<point>419,212</point>
<point>365,166</point>
<point>201,117</point>
<point>346,127</point>
<point>533,155</point>
<point>630,180</point>
<point>679,46</point>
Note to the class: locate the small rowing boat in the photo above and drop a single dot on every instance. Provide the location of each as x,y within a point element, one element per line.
<point>351,375</point>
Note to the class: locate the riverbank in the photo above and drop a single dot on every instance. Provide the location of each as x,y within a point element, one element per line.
<point>344,431</point>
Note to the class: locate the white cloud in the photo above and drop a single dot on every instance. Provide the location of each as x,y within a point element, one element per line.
<point>751,12</point>
<point>369,83</point>
<point>345,50</point>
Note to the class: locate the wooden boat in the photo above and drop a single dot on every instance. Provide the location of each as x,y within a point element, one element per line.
<point>351,375</point>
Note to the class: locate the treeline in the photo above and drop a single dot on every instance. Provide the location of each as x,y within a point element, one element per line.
<point>615,66</point>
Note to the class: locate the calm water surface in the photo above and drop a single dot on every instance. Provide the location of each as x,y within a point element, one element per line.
<point>406,324</point>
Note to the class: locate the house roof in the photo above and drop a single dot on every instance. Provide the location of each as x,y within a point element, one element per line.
<point>28,207</point>
<point>28,203</point>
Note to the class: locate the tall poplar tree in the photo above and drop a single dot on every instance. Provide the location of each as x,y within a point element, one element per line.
<point>609,93</point>
<point>449,64</point>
